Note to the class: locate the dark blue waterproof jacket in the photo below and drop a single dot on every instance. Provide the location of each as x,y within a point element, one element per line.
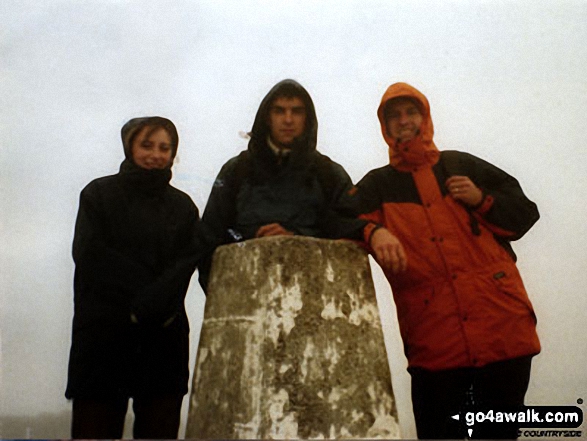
<point>302,192</point>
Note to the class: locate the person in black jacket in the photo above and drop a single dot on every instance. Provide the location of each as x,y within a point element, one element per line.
<point>280,185</point>
<point>137,243</point>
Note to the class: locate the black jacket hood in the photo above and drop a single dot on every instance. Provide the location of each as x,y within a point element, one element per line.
<point>132,127</point>
<point>305,143</point>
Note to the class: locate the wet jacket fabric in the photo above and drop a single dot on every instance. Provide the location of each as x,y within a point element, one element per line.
<point>300,191</point>
<point>137,242</point>
<point>461,301</point>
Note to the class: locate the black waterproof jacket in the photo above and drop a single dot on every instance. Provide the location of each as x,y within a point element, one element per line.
<point>302,192</point>
<point>137,242</point>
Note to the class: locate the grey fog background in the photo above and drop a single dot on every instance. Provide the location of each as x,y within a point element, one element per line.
<point>506,81</point>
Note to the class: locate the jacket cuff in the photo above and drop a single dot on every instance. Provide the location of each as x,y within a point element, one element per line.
<point>485,205</point>
<point>368,231</point>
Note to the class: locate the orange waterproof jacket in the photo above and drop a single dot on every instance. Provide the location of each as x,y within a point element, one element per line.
<point>461,301</point>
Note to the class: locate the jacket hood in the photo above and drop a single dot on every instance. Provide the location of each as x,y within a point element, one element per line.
<point>134,126</point>
<point>420,150</point>
<point>260,131</point>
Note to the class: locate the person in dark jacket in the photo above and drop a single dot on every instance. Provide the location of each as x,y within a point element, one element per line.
<point>280,185</point>
<point>137,242</point>
<point>441,226</point>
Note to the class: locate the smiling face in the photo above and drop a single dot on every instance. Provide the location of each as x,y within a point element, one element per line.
<point>151,148</point>
<point>402,119</point>
<point>286,120</point>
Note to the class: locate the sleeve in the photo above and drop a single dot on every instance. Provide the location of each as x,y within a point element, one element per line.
<point>505,210</point>
<point>97,261</point>
<point>160,302</point>
<point>340,218</point>
<point>368,205</point>
<point>219,216</point>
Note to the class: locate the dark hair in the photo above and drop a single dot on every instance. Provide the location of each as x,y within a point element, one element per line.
<point>152,128</point>
<point>289,90</point>
<point>413,100</point>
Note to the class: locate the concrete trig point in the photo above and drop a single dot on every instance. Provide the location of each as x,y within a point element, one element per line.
<point>291,345</point>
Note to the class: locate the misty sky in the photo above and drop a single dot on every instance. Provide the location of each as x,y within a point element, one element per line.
<point>506,81</point>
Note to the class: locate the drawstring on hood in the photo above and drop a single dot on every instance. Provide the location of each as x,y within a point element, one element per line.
<point>421,149</point>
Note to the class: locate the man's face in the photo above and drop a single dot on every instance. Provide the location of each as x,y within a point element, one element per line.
<point>402,119</point>
<point>287,120</point>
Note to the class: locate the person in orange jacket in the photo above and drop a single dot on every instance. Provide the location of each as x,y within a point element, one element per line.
<point>441,226</point>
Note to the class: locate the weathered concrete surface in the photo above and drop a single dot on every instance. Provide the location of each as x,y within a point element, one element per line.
<point>291,345</point>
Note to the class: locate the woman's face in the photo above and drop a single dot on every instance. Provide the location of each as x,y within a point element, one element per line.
<point>151,149</point>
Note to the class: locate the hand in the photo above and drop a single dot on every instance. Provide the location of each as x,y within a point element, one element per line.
<point>461,188</point>
<point>272,230</point>
<point>389,251</point>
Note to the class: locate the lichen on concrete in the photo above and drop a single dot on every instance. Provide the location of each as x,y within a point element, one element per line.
<point>291,345</point>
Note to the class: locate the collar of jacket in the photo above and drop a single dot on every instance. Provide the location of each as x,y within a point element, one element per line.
<point>418,151</point>
<point>413,153</point>
<point>143,180</point>
<point>279,151</point>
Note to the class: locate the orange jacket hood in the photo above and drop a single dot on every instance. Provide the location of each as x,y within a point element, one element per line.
<point>420,150</point>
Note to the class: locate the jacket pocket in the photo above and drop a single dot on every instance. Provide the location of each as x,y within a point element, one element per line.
<point>509,284</point>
